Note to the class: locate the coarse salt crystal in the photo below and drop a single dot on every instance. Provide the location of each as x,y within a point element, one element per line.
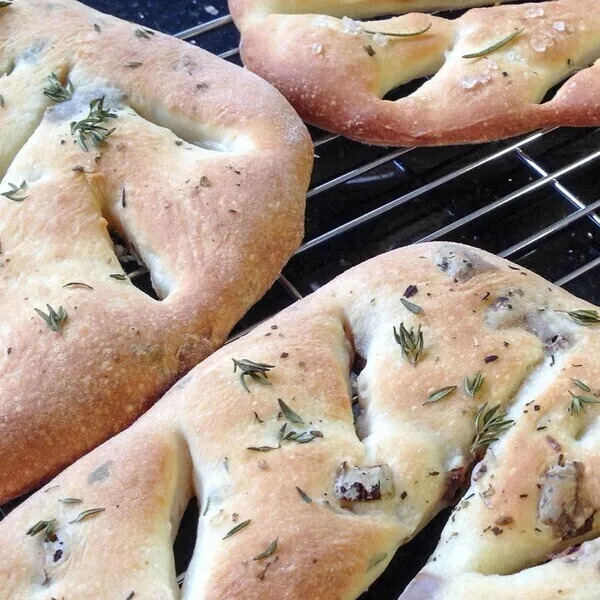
<point>317,48</point>
<point>468,82</point>
<point>534,12</point>
<point>559,26</point>
<point>351,26</point>
<point>211,10</point>
<point>539,45</point>
<point>380,40</point>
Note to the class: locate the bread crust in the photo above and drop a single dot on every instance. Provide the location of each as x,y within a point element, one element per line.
<point>181,178</point>
<point>478,313</point>
<point>336,75</point>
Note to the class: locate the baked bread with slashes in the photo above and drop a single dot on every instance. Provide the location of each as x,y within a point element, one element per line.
<point>329,436</point>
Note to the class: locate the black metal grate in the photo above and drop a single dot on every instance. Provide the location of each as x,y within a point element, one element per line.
<point>531,199</point>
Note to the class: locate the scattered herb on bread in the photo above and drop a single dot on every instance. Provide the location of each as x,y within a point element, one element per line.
<point>503,42</point>
<point>271,549</point>
<point>16,194</point>
<point>401,34</point>
<point>256,371</point>
<point>583,317</point>
<point>86,514</point>
<point>237,528</point>
<point>411,343</point>
<point>490,424</point>
<point>56,91</point>
<point>440,394</point>
<point>578,403</point>
<point>304,495</point>
<point>90,130</point>
<point>288,413</point>
<point>414,308</point>
<point>473,384</point>
<point>143,33</point>
<point>54,319</point>
<point>48,527</point>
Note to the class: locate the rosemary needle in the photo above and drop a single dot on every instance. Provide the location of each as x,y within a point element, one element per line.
<point>405,34</point>
<point>503,42</point>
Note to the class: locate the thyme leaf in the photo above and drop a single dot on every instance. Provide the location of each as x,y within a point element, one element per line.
<point>406,34</point>
<point>473,384</point>
<point>411,343</point>
<point>581,385</point>
<point>271,549</point>
<point>288,413</point>
<point>118,276</point>
<point>304,495</point>
<point>578,403</point>
<point>489,426</point>
<point>86,514</point>
<point>54,319</point>
<point>376,560</point>
<point>503,42</point>
<point>256,371</point>
<point>89,130</point>
<point>70,500</point>
<point>237,528</point>
<point>414,308</point>
<point>16,194</point>
<point>440,394</point>
<point>56,91</point>
<point>263,448</point>
<point>48,527</point>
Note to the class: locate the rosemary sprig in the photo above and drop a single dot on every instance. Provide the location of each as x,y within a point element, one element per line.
<point>375,560</point>
<point>56,91</point>
<point>578,403</point>
<point>304,495</point>
<point>288,413</point>
<point>237,528</point>
<point>256,371</point>
<point>503,42</point>
<point>271,549</point>
<point>581,385</point>
<point>48,527</point>
<point>489,426</point>
<point>440,394</point>
<point>89,130</point>
<point>473,384</point>
<point>86,514</point>
<point>406,34</point>
<point>582,317</point>
<point>411,343</point>
<point>54,319</point>
<point>16,194</point>
<point>142,32</point>
<point>414,308</point>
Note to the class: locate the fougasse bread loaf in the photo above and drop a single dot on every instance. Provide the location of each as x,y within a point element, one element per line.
<point>460,357</point>
<point>200,167</point>
<point>487,73</point>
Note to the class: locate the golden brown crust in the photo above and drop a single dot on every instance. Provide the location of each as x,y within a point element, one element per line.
<point>336,74</point>
<point>213,236</point>
<point>478,314</point>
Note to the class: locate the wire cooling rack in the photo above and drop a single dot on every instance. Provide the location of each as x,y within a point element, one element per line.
<point>531,199</point>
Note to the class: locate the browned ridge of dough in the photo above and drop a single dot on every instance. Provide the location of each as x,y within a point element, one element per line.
<point>183,179</point>
<point>299,499</point>
<point>337,71</point>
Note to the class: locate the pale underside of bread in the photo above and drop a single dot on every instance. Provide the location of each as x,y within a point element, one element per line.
<point>336,72</point>
<point>220,437</point>
<point>182,178</point>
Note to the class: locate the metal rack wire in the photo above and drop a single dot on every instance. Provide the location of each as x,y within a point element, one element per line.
<point>541,210</point>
